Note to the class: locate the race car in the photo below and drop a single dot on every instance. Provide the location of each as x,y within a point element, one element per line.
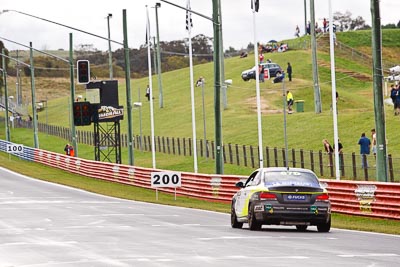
<point>281,196</point>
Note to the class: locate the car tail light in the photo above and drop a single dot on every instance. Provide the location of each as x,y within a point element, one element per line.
<point>267,195</point>
<point>323,197</point>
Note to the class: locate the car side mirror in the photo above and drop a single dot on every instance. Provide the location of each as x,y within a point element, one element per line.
<point>239,184</point>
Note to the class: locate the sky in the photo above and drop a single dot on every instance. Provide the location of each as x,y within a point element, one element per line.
<point>275,20</point>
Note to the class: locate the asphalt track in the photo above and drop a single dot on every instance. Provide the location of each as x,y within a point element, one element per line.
<point>44,224</point>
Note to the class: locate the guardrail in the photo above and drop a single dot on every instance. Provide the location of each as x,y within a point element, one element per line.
<point>372,199</point>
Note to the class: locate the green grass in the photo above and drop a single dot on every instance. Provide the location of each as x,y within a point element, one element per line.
<point>46,173</point>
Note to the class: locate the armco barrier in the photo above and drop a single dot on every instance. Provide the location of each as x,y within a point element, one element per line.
<point>372,199</point>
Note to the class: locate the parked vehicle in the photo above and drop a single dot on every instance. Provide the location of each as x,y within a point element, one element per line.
<point>273,68</point>
<point>281,196</point>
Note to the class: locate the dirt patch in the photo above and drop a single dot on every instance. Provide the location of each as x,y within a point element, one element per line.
<point>265,107</point>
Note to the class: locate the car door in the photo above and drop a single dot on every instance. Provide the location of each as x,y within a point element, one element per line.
<point>242,200</point>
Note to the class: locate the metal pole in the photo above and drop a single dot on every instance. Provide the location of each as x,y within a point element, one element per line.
<point>194,141</point>
<point>72,94</point>
<point>317,93</point>
<point>34,114</point>
<point>219,164</point>
<point>204,120</point>
<point>379,109</point>
<point>140,123</point>
<point>224,87</point>
<point>110,66</point>
<point>5,94</point>
<point>258,97</point>
<point>161,100</point>
<point>334,108</point>
<point>285,124</point>
<point>128,89</point>
<point>305,17</point>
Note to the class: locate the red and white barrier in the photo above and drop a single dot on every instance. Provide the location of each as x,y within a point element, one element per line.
<point>372,199</point>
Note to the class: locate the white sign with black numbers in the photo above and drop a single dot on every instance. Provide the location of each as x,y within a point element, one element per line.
<point>15,148</point>
<point>165,179</point>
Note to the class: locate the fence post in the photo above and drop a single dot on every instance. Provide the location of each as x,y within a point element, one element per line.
<point>276,157</point>
<point>353,160</point>
<point>312,160</point>
<point>391,168</point>
<point>244,155</point>
<point>267,156</point>
<point>284,158</point>
<point>230,153</point>
<point>173,146</point>
<point>302,158</point>
<point>179,146</point>
<point>252,156</point>
<point>237,154</point>
<point>321,163</point>
<point>294,157</point>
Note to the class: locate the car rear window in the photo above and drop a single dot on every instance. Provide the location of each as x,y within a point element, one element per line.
<point>290,178</point>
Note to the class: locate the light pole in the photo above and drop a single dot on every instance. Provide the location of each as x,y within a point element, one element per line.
<point>109,16</point>
<point>204,120</point>
<point>161,101</point>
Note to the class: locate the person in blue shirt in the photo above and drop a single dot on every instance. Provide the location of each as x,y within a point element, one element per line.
<point>365,145</point>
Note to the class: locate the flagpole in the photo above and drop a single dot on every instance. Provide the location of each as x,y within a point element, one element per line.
<point>258,98</point>
<point>333,80</point>
<point>189,28</point>
<point>153,152</point>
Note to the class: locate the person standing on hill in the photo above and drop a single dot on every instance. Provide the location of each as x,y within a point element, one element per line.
<point>289,71</point>
<point>289,100</point>
<point>365,145</point>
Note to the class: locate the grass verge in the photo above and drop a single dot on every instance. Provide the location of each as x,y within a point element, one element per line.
<point>46,173</point>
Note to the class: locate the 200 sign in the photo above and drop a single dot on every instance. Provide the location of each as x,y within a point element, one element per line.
<point>165,179</point>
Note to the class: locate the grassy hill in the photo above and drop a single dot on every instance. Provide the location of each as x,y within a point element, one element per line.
<point>239,120</point>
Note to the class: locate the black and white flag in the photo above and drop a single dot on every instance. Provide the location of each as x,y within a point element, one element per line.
<point>189,22</point>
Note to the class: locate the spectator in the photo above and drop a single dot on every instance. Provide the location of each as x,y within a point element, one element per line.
<point>325,24</point>
<point>373,136</point>
<point>261,57</point>
<point>289,100</point>
<point>148,93</point>
<point>308,29</point>
<point>365,145</point>
<point>67,149</point>
<point>289,71</point>
<point>297,32</point>
<point>261,73</point>
<point>397,101</point>
<point>200,81</point>
<point>329,150</point>
<point>279,78</point>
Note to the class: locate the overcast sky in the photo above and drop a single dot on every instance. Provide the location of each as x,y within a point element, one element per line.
<point>275,20</point>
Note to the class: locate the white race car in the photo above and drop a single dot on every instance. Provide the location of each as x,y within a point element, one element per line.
<point>281,196</point>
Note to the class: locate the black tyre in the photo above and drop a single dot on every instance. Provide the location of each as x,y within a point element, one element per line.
<point>324,227</point>
<point>301,228</point>
<point>254,225</point>
<point>234,222</point>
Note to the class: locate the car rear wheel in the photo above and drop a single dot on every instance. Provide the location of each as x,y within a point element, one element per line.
<point>234,222</point>
<point>324,227</point>
<point>254,225</point>
<point>301,228</point>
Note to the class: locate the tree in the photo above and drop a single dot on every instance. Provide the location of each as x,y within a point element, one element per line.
<point>343,19</point>
<point>398,24</point>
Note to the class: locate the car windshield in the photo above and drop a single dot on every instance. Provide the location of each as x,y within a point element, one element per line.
<point>279,178</point>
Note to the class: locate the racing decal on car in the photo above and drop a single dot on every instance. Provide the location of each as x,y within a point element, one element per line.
<point>366,196</point>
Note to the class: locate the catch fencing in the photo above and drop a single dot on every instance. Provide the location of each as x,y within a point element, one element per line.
<point>244,155</point>
<point>371,199</point>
